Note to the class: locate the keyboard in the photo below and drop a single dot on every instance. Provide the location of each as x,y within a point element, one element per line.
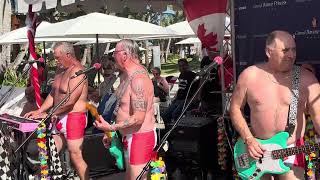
<point>19,123</point>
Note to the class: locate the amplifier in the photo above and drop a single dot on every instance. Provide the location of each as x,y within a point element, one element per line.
<point>97,157</point>
<point>195,139</point>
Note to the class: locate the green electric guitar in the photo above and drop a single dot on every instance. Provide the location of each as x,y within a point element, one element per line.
<point>116,147</point>
<point>272,160</point>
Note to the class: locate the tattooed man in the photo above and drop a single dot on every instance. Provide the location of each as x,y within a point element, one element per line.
<point>135,116</point>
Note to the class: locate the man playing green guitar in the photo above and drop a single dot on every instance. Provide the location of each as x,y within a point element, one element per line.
<point>266,88</point>
<point>135,117</point>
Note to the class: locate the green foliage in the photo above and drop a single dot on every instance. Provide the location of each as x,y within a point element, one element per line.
<point>11,76</point>
<point>173,58</point>
<point>171,67</point>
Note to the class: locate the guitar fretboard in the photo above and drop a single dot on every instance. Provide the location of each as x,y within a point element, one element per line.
<point>281,153</point>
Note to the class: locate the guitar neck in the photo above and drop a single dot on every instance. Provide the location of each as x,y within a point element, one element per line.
<point>282,153</point>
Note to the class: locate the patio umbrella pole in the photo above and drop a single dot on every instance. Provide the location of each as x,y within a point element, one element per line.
<point>98,57</point>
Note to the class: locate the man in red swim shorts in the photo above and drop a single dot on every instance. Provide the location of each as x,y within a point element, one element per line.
<point>70,120</point>
<point>135,116</point>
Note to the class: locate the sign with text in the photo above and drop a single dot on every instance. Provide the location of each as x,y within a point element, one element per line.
<point>255,19</point>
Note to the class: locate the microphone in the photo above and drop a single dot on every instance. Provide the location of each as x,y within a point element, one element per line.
<point>216,61</point>
<point>33,61</point>
<point>96,66</point>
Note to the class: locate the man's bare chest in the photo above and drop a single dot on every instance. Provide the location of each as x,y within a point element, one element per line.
<point>266,95</point>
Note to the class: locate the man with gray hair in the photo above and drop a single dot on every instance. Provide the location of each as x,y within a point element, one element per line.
<point>69,121</point>
<point>135,117</point>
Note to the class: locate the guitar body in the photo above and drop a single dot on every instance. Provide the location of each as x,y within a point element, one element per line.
<point>115,149</point>
<point>249,168</point>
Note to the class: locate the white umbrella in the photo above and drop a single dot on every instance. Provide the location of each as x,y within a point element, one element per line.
<point>48,39</point>
<point>182,28</point>
<point>21,33</point>
<point>190,41</point>
<point>113,49</point>
<point>104,26</point>
<point>93,41</point>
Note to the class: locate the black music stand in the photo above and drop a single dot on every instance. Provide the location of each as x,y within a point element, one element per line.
<point>47,122</point>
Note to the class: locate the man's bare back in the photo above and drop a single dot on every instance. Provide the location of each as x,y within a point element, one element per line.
<point>269,98</point>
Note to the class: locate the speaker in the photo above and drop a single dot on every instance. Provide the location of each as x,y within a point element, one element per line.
<point>97,157</point>
<point>194,141</point>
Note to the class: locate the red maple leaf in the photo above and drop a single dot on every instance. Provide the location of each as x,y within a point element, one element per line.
<point>208,41</point>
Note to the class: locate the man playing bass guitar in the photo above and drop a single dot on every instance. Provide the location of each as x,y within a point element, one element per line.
<point>266,88</point>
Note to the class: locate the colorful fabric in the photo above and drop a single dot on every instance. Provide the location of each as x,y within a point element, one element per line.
<point>31,22</point>
<point>207,20</point>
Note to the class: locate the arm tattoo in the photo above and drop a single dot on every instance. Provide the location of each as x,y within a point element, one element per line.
<point>126,123</point>
<point>139,103</point>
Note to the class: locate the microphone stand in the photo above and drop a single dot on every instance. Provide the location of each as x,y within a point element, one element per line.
<point>54,109</point>
<point>165,137</point>
<point>8,93</point>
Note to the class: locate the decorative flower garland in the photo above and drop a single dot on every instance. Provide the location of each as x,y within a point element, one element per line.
<point>43,153</point>
<point>222,144</point>
<point>310,138</point>
<point>234,171</point>
<point>158,169</point>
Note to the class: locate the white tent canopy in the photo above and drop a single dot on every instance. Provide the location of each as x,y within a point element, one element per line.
<point>190,41</point>
<point>106,26</point>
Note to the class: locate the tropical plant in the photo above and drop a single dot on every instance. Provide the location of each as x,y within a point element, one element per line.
<point>13,78</point>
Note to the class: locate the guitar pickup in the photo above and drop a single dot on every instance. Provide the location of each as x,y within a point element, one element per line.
<point>243,161</point>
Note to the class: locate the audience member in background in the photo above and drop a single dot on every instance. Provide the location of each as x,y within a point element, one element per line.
<point>108,72</point>
<point>185,78</point>
<point>31,104</point>
<point>160,84</point>
<point>210,96</point>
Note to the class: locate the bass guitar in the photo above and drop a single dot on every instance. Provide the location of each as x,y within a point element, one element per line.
<point>272,160</point>
<point>116,146</point>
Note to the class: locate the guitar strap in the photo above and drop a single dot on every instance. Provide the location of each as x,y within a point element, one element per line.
<point>293,108</point>
<point>123,89</point>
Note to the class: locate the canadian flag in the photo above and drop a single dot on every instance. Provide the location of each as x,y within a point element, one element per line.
<point>207,19</point>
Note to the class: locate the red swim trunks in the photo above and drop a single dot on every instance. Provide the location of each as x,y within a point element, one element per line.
<point>72,125</point>
<point>138,147</point>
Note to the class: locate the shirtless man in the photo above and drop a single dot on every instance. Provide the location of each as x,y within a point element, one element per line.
<point>70,119</point>
<point>266,88</point>
<point>135,117</point>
